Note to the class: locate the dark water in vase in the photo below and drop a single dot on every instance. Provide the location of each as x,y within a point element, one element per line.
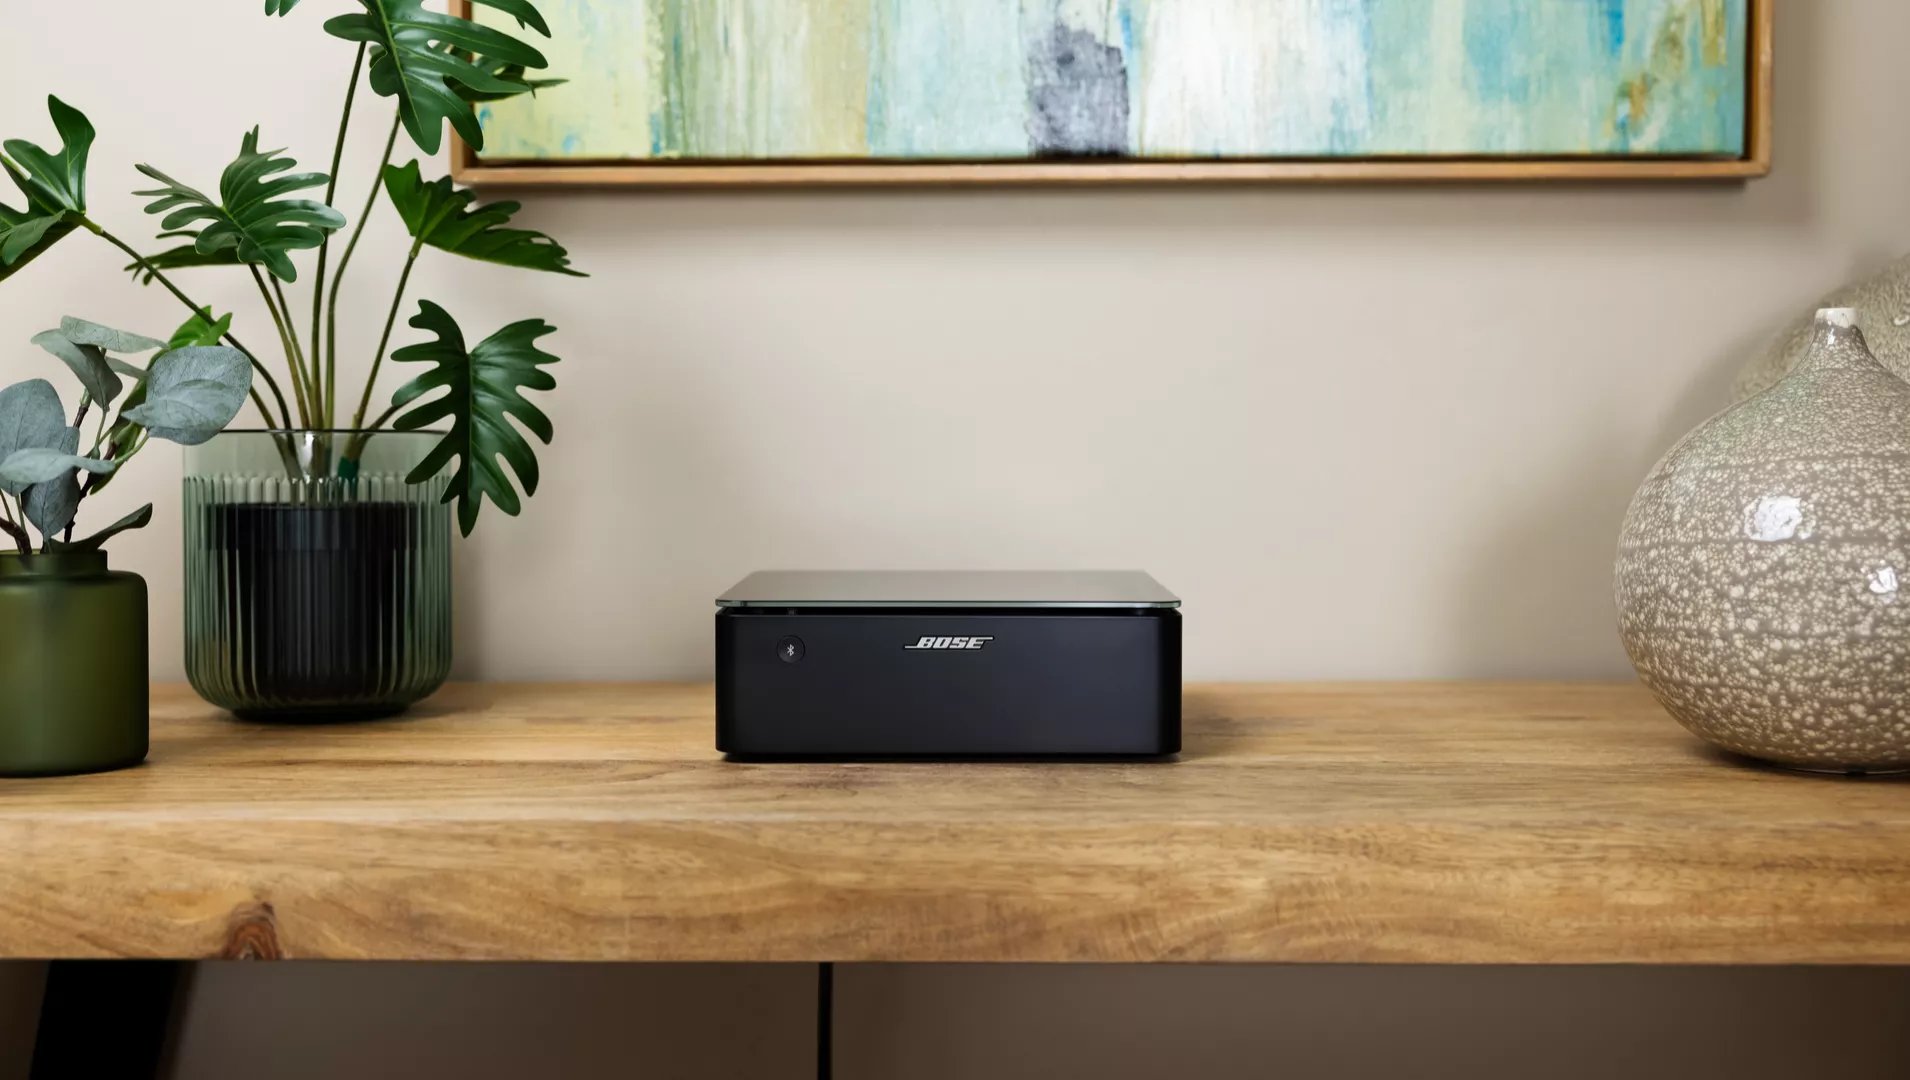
<point>333,604</point>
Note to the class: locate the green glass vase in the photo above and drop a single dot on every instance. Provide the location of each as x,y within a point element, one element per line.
<point>73,681</point>
<point>318,581</point>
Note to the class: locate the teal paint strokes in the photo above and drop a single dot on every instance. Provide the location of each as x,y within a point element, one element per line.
<point>912,80</point>
<point>1500,51</point>
<point>952,80</point>
<point>1614,13</point>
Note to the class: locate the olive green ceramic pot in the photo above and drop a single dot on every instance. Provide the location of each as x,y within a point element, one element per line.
<point>72,665</point>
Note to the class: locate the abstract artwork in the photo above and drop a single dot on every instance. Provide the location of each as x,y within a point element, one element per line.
<point>913,82</point>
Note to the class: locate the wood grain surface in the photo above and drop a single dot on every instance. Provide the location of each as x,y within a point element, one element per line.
<point>1453,823</point>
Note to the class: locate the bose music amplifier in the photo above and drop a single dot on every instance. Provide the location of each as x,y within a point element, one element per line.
<point>947,664</point>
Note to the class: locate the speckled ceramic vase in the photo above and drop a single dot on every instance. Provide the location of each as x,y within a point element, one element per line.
<point>1882,304</point>
<point>1763,578</point>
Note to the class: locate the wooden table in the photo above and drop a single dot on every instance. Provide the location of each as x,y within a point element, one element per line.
<point>1467,823</point>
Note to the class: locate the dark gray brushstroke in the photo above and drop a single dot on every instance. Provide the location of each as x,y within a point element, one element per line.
<point>1077,95</point>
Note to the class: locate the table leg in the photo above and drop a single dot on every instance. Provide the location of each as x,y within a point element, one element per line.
<point>825,1020</point>
<point>103,1018</point>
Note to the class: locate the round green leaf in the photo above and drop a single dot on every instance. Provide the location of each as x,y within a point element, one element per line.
<point>51,504</point>
<point>37,465</point>
<point>87,362</point>
<point>193,393</point>
<point>30,417</point>
<point>81,332</point>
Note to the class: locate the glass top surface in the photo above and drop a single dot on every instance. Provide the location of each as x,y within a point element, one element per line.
<point>948,588</point>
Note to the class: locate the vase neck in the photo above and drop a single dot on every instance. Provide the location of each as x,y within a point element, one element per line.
<point>1838,344</point>
<point>53,564</point>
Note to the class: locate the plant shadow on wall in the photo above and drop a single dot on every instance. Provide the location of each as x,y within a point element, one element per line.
<point>317,580</point>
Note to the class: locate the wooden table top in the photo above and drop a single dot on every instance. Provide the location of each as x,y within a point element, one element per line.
<point>1409,823</point>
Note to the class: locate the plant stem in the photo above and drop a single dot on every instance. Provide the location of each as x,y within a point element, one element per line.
<point>357,444</point>
<point>331,191</point>
<point>285,414</point>
<point>331,304</point>
<point>136,448</point>
<point>285,342</point>
<point>13,528</point>
<point>298,352</point>
<point>99,435</point>
<point>384,340</point>
<point>79,417</point>
<point>382,417</point>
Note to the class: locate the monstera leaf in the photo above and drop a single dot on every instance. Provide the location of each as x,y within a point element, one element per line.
<point>183,257</point>
<point>56,179</point>
<point>54,185</point>
<point>253,221</point>
<point>506,73</point>
<point>440,215</point>
<point>26,234</point>
<point>426,60</point>
<point>201,329</point>
<point>482,386</point>
<point>192,393</point>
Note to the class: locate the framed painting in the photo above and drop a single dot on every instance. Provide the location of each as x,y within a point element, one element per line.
<point>723,92</point>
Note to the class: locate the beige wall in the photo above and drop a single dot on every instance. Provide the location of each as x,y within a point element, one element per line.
<point>1365,432</point>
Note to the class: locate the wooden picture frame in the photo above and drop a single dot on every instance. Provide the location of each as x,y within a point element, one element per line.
<point>468,169</point>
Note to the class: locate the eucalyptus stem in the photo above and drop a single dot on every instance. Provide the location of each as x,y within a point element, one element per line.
<point>14,530</point>
<point>358,229</point>
<point>99,437</point>
<point>285,342</point>
<point>79,418</point>
<point>285,414</point>
<point>324,247</point>
<point>144,438</point>
<point>99,434</point>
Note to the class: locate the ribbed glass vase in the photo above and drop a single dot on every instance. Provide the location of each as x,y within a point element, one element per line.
<point>318,582</point>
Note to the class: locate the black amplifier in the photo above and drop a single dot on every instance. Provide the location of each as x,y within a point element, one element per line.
<point>947,664</point>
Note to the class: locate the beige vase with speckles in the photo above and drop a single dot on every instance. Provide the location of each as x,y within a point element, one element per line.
<point>1882,304</point>
<point>1763,578</point>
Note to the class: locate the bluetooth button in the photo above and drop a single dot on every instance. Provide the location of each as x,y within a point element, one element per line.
<point>789,650</point>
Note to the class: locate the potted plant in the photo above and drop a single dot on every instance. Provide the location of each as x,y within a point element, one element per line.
<point>318,545</point>
<point>73,654</point>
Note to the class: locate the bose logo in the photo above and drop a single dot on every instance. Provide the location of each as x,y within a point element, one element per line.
<point>950,643</point>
